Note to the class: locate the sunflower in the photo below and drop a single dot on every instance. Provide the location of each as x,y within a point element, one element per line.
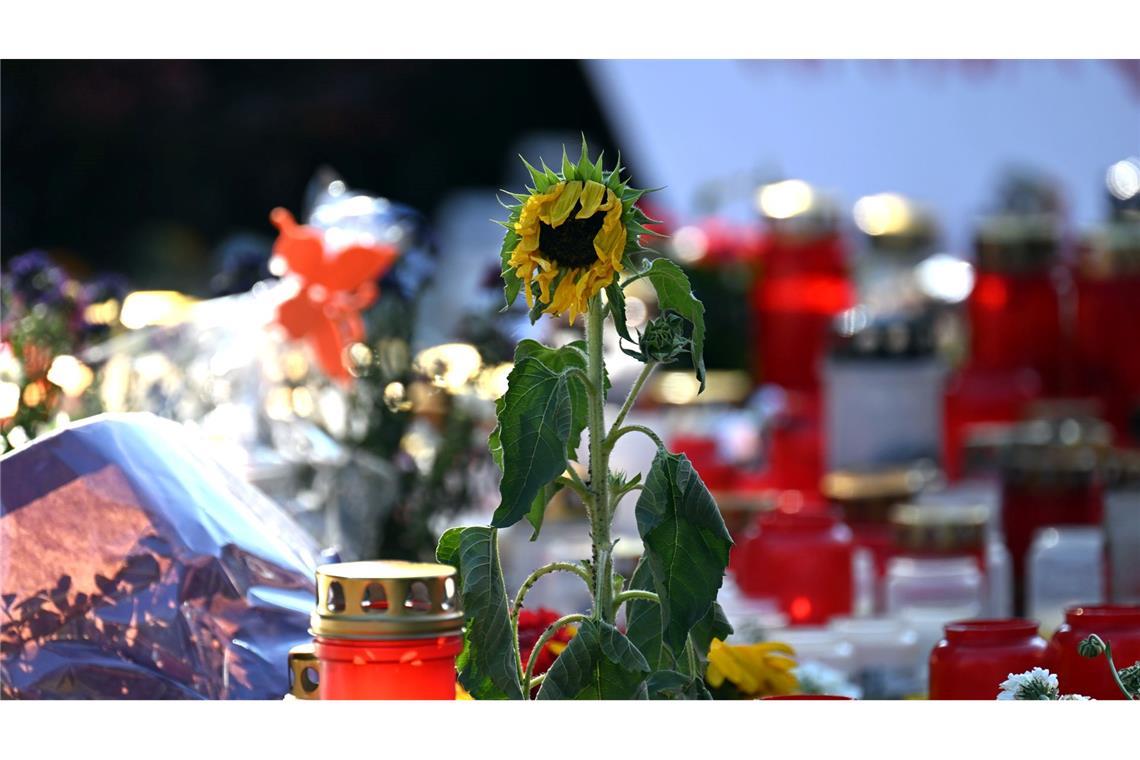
<point>570,235</point>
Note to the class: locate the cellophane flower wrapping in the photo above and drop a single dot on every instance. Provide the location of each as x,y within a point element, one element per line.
<point>135,565</point>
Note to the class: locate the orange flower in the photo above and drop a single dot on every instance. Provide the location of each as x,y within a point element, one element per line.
<point>335,287</point>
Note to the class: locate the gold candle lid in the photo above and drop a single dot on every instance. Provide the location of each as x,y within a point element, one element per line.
<point>386,599</point>
<point>940,528</point>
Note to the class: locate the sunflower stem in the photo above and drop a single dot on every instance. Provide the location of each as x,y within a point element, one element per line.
<point>600,515</point>
<point>1115,674</point>
<point>546,636</point>
<point>618,433</point>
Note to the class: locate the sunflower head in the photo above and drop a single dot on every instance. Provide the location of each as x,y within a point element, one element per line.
<point>570,235</point>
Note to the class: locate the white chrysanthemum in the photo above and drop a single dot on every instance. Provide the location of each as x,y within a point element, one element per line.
<point>1032,685</point>
<point>1076,698</point>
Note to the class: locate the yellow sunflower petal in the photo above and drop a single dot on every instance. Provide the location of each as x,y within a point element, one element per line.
<point>592,195</point>
<point>559,211</point>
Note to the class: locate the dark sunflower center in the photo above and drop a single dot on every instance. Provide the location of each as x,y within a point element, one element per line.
<point>571,244</point>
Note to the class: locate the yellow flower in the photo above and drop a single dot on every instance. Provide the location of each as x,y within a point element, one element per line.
<point>569,236</point>
<point>757,670</point>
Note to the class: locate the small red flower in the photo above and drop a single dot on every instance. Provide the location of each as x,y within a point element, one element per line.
<point>335,287</point>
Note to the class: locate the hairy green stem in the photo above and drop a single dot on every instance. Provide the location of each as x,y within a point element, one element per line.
<point>585,378</point>
<point>625,596</point>
<point>619,432</point>
<point>631,398</point>
<point>1115,675</point>
<point>546,636</point>
<point>636,594</point>
<point>553,567</point>
<point>576,485</point>
<point>599,462</point>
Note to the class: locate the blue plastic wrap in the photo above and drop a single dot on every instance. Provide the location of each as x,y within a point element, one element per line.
<point>133,565</point>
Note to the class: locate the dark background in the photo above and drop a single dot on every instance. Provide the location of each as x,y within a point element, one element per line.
<point>145,167</point>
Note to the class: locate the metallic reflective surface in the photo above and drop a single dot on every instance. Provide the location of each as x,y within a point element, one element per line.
<point>134,566</point>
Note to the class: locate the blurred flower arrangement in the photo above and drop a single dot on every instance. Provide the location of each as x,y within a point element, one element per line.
<point>308,380</point>
<point>47,320</point>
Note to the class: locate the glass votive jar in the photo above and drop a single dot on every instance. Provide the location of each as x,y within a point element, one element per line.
<point>381,630</point>
<point>819,645</point>
<point>801,561</point>
<point>866,499</point>
<point>1014,307</point>
<point>1122,528</point>
<point>1065,566</point>
<point>1118,625</point>
<point>934,583</point>
<point>887,657</point>
<point>975,656</point>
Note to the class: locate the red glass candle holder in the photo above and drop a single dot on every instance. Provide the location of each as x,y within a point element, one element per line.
<point>802,561</point>
<point>975,656</point>
<point>1108,289</point>
<point>1118,625</point>
<point>382,630</point>
<point>803,285</point>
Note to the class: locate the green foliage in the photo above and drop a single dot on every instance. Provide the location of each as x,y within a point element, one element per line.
<point>598,663</point>
<point>534,425</point>
<point>489,664</point>
<point>675,294</point>
<point>555,395</point>
<point>686,543</point>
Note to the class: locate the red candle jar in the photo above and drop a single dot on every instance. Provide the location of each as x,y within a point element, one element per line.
<point>803,284</point>
<point>975,656</point>
<point>802,561</point>
<point>1014,308</point>
<point>1050,476</point>
<point>382,630</point>
<point>1118,625</point>
<point>1108,289</point>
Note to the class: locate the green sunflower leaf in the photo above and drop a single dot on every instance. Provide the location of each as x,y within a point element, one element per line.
<point>561,360</point>
<point>645,622</point>
<point>535,420</point>
<point>686,543</point>
<point>488,666</point>
<point>670,684</point>
<point>598,663</point>
<point>714,625</point>
<point>675,293</point>
<point>615,296</point>
<point>538,507</point>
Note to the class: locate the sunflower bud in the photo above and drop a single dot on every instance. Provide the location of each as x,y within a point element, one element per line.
<point>664,339</point>
<point>1093,646</point>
